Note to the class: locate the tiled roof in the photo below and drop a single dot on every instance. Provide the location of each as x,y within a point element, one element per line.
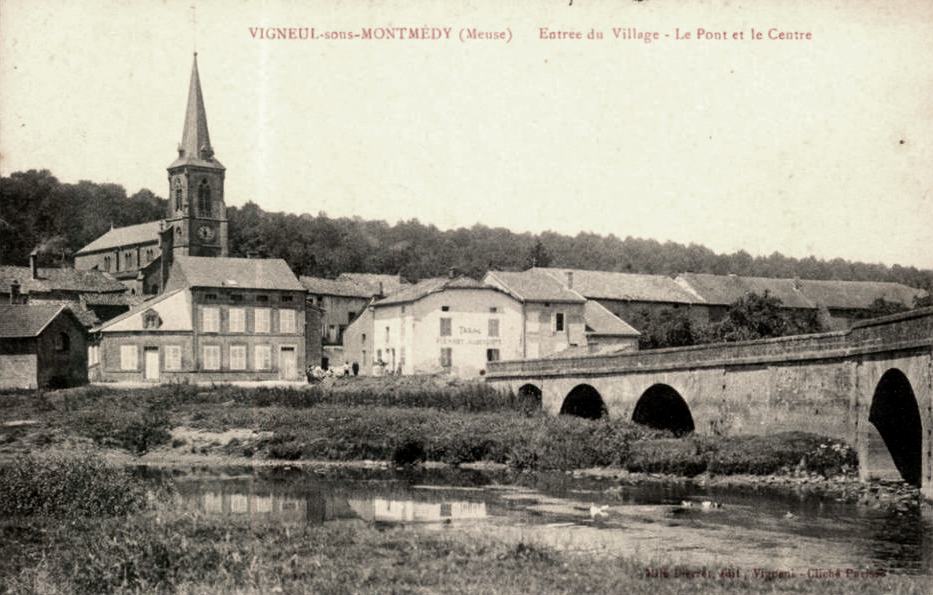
<point>336,287</point>
<point>412,293</point>
<point>608,285</point>
<point>27,320</point>
<point>110,299</point>
<point>246,273</point>
<point>857,294</point>
<point>125,236</point>
<point>723,290</point>
<point>600,321</point>
<point>372,281</point>
<point>58,279</point>
<point>533,286</point>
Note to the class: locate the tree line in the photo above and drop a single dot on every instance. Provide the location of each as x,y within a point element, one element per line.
<point>36,210</point>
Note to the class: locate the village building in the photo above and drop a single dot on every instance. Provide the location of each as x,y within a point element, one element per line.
<point>454,325</point>
<point>196,219</point>
<point>218,320</point>
<point>92,296</point>
<point>630,295</point>
<point>342,301</point>
<point>838,303</point>
<point>553,316</point>
<point>41,346</point>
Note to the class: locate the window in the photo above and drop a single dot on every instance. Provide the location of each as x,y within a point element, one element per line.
<point>446,357</point>
<point>236,297</point>
<point>204,198</point>
<point>262,298</point>
<point>285,299</point>
<point>363,338</point>
<point>106,263</point>
<point>237,322</point>
<point>387,334</point>
<point>172,357</point>
<point>210,297</point>
<point>445,308</point>
<point>350,316</point>
<point>238,357</point>
<point>493,309</point>
<point>492,355</point>
<point>445,327</point>
<point>210,357</point>
<point>493,327</point>
<point>261,322</point>
<point>559,322</point>
<point>92,355</point>
<point>210,319</point>
<point>364,357</point>
<point>62,342</point>
<point>262,356</point>
<point>128,357</point>
<point>286,321</point>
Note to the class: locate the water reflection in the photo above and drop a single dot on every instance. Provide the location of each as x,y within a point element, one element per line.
<point>318,508</point>
<point>754,530</point>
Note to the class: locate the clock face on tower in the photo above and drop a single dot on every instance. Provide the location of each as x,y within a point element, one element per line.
<point>206,233</point>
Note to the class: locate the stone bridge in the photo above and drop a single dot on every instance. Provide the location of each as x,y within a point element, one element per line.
<point>870,386</point>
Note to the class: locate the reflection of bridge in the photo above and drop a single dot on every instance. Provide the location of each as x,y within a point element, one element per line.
<point>871,386</point>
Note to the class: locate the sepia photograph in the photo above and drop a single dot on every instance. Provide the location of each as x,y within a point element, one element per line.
<point>466,296</point>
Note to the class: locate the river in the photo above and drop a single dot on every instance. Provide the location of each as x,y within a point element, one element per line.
<point>711,530</point>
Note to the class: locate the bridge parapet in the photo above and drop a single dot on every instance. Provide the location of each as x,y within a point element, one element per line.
<point>905,330</point>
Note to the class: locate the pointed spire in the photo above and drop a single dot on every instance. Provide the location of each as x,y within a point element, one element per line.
<point>195,139</point>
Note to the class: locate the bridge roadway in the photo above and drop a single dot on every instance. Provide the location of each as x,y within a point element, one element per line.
<point>870,386</point>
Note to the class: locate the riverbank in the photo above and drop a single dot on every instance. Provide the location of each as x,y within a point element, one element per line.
<point>404,421</point>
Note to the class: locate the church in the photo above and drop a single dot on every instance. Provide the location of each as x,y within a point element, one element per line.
<point>141,256</point>
<point>207,317</point>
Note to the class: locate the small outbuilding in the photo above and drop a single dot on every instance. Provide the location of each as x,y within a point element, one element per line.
<point>41,345</point>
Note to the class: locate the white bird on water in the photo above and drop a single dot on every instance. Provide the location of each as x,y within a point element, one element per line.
<point>598,512</point>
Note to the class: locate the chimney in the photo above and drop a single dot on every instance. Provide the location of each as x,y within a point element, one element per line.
<point>14,291</point>
<point>451,273</point>
<point>569,279</point>
<point>381,290</point>
<point>34,263</point>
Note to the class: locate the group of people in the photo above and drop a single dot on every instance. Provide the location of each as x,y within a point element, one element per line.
<point>317,373</point>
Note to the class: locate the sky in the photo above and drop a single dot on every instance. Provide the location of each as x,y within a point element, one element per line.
<point>807,147</point>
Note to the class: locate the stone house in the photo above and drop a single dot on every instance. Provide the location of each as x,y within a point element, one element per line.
<point>219,319</point>
<point>92,296</point>
<point>41,345</point>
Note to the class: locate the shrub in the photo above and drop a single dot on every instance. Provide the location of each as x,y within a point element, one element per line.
<point>59,486</point>
<point>762,455</point>
<point>408,452</point>
<point>676,456</point>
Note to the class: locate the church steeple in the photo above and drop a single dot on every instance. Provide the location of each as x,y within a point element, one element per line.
<point>197,215</point>
<point>195,144</point>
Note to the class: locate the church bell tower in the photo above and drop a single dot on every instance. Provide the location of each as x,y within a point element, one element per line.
<point>197,215</point>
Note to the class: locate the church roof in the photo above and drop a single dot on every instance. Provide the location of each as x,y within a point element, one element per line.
<point>141,233</point>
<point>195,147</point>
<point>242,273</point>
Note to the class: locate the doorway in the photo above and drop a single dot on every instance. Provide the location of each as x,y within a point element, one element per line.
<point>288,363</point>
<point>151,371</point>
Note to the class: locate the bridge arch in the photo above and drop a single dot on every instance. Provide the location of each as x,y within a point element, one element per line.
<point>895,413</point>
<point>530,396</point>
<point>584,401</point>
<point>661,407</point>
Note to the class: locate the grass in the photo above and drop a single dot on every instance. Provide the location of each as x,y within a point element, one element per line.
<point>174,553</point>
<point>357,420</point>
